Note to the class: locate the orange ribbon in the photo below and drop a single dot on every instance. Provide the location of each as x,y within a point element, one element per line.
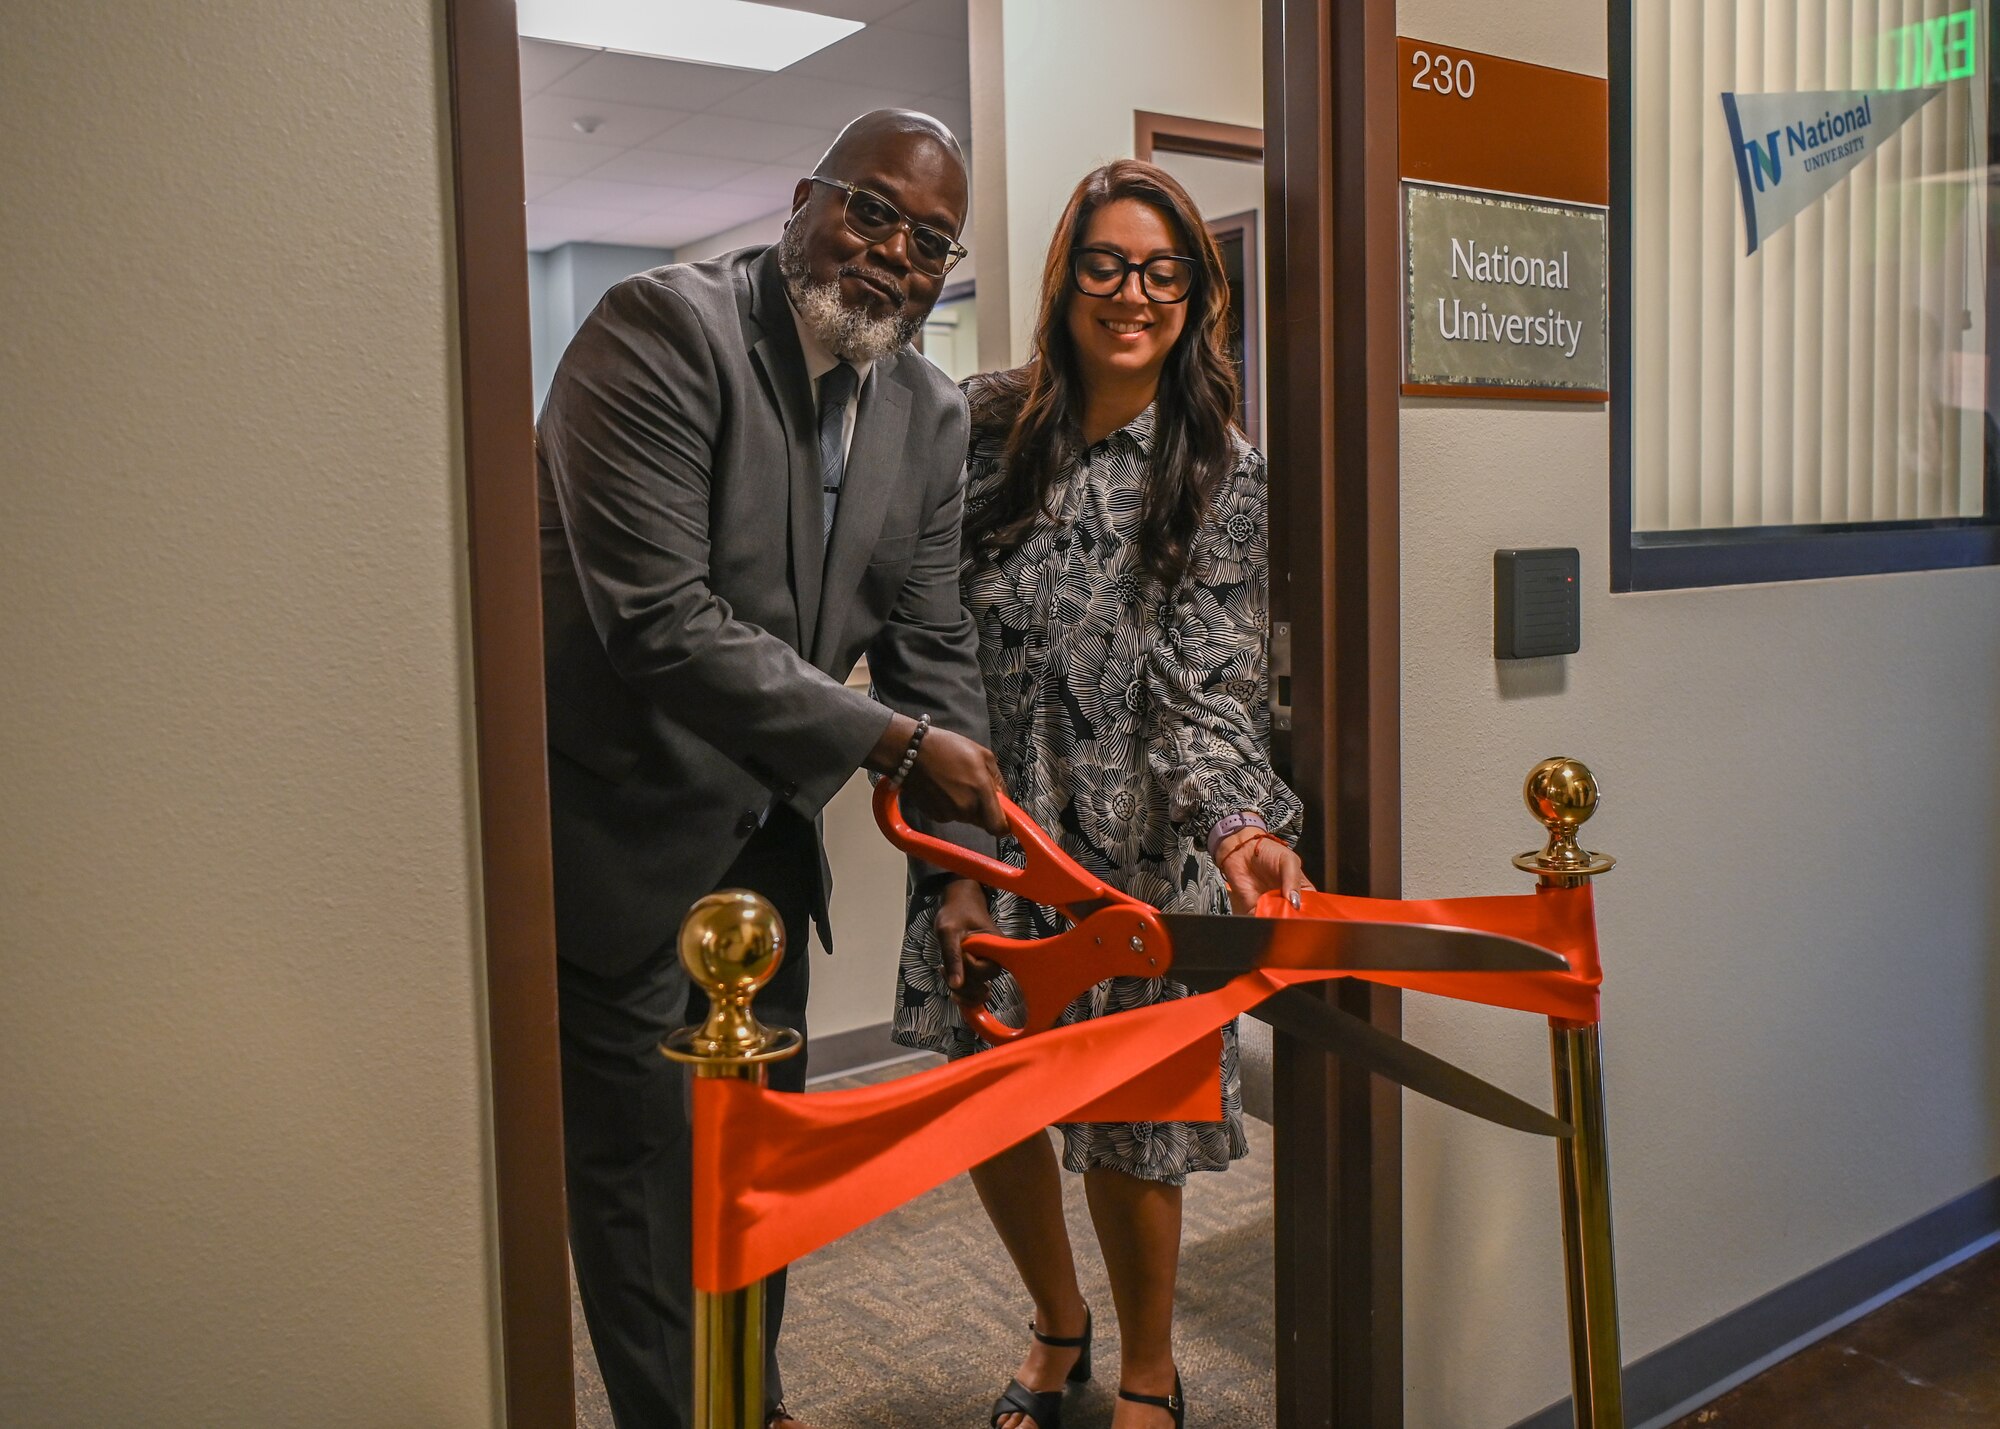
<point>1563,920</point>
<point>778,1175</point>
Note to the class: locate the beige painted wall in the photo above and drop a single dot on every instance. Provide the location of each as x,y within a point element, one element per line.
<point>1062,93</point>
<point>1802,783</point>
<point>245,1178</point>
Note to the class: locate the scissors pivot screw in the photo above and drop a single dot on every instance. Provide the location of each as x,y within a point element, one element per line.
<point>1138,944</point>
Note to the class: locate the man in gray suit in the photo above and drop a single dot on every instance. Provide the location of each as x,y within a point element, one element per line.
<point>748,480</point>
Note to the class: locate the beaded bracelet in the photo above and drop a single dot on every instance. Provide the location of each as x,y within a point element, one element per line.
<point>909,761</point>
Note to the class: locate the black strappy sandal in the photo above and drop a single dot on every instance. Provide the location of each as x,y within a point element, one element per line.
<point>1043,1407</point>
<point>1175,1403</point>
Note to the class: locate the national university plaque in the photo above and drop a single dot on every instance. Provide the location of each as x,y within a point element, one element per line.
<point>1503,294</point>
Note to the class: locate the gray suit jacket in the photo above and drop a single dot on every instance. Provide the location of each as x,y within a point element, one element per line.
<point>695,635</point>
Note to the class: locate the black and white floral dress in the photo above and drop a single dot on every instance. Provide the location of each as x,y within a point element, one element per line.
<point>1127,719</point>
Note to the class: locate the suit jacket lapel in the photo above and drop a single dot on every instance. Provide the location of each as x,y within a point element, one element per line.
<point>874,471</point>
<point>774,341</point>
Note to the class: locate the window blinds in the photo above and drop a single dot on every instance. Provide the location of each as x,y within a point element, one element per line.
<point>1838,373</point>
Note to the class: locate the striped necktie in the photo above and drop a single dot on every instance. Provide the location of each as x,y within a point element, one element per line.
<point>836,390</point>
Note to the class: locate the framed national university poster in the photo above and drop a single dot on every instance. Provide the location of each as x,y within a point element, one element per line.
<point>1802,383</point>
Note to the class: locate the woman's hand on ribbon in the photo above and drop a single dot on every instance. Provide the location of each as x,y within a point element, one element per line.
<point>1254,862</point>
<point>961,913</point>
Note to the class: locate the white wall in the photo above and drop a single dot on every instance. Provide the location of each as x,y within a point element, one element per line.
<point>1062,86</point>
<point>245,1171</point>
<point>1802,783</point>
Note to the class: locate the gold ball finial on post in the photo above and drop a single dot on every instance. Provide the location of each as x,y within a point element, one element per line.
<point>1562,793</point>
<point>731,944</point>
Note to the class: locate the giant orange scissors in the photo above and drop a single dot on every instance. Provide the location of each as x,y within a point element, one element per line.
<point>1113,934</point>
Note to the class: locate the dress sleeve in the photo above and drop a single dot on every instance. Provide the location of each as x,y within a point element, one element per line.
<point>1208,737</point>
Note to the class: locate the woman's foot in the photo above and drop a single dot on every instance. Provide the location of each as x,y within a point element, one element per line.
<point>1137,1387</point>
<point>1047,1367</point>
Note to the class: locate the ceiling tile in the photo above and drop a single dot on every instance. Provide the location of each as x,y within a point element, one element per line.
<point>644,79</point>
<point>539,185</point>
<point>607,197</point>
<point>562,158</point>
<point>751,140</point>
<point>906,59</point>
<point>806,156</point>
<point>772,181</point>
<point>554,116</point>
<point>681,171</point>
<point>543,63</point>
<point>722,210</point>
<point>552,227</point>
<point>866,11</point>
<point>933,17</point>
<point>799,99</point>
<point>664,230</point>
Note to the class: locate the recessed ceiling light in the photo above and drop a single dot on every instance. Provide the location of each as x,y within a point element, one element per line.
<point>734,33</point>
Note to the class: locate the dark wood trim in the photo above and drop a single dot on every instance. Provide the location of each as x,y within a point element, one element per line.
<point>1619,282</point>
<point>492,254</point>
<point>1177,134</point>
<point>1334,353</point>
<point>1245,224</point>
<point>1678,560</point>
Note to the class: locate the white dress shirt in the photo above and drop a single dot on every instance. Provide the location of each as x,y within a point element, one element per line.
<point>819,362</point>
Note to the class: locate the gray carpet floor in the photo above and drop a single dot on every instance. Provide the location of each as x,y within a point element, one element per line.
<point>916,1321</point>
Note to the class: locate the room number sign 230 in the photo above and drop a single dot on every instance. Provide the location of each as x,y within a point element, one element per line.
<point>1442,74</point>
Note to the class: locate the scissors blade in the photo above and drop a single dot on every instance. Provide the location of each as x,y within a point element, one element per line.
<point>1332,1029</point>
<point>1223,946</point>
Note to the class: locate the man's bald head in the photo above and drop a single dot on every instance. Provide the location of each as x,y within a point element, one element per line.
<point>860,142</point>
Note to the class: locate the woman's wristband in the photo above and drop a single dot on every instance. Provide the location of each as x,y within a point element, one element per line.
<point>1232,824</point>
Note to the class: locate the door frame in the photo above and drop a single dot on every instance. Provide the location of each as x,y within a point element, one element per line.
<point>483,58</point>
<point>1332,346</point>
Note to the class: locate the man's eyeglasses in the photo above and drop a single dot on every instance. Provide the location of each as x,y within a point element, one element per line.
<point>870,216</point>
<point>1101,273</point>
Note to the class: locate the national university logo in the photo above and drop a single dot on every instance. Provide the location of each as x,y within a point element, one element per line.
<point>1791,148</point>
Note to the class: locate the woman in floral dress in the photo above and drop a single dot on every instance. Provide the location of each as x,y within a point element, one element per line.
<point>1115,564</point>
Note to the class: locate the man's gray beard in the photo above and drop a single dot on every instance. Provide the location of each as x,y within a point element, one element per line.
<point>848,333</point>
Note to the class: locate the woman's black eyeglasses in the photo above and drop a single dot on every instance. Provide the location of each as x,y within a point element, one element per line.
<point>1101,272</point>
<point>870,216</point>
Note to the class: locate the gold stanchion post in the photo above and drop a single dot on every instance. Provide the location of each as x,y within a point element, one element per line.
<point>731,944</point>
<point>1562,794</point>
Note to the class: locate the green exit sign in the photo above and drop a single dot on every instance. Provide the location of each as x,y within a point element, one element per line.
<point>1929,52</point>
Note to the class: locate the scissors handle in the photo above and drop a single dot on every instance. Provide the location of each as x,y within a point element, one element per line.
<point>1048,876</point>
<point>1119,940</point>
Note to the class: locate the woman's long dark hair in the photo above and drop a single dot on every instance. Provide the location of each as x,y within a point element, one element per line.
<point>1039,406</point>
